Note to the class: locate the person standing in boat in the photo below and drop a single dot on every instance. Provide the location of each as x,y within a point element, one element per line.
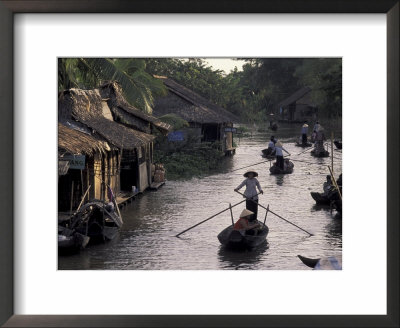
<point>250,193</point>
<point>279,154</point>
<point>304,131</point>
<point>319,139</point>
<point>271,146</point>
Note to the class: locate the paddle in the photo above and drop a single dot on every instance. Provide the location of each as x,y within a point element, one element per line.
<point>275,214</point>
<point>213,216</point>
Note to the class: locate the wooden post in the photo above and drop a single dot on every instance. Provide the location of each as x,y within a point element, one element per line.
<point>87,179</point>
<point>230,207</point>
<point>72,198</point>
<point>266,213</point>
<point>332,150</point>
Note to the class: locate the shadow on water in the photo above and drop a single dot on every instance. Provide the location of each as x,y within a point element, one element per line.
<point>241,259</point>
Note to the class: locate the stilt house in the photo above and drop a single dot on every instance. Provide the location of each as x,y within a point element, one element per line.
<point>103,116</point>
<point>298,107</point>
<point>210,122</point>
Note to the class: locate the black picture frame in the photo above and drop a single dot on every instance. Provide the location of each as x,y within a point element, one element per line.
<point>7,10</point>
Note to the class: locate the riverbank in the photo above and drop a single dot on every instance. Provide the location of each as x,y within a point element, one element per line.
<point>194,161</point>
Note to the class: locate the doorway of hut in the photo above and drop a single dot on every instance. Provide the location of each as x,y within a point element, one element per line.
<point>210,132</point>
<point>69,190</point>
<point>129,172</point>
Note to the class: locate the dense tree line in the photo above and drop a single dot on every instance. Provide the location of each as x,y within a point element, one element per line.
<point>251,93</point>
<point>255,91</point>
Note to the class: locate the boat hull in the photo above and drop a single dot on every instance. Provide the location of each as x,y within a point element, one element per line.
<point>236,240</point>
<point>323,153</point>
<point>288,168</point>
<point>320,199</point>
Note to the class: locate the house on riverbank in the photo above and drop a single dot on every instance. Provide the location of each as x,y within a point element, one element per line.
<point>103,117</point>
<point>298,107</point>
<point>207,121</point>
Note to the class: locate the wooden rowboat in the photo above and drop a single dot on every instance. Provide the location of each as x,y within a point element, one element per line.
<point>243,240</point>
<point>288,168</point>
<point>320,198</point>
<point>96,220</point>
<point>321,153</point>
<point>326,263</point>
<point>304,145</point>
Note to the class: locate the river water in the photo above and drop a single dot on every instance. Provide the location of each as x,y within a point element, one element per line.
<point>147,239</point>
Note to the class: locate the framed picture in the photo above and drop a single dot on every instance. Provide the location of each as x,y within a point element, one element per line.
<point>157,298</point>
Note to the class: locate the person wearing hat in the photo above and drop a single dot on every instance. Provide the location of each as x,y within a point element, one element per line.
<point>243,223</point>
<point>304,131</point>
<point>319,139</point>
<point>250,193</point>
<point>279,154</point>
<point>271,146</point>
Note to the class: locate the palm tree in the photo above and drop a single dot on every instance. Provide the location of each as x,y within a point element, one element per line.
<point>138,86</point>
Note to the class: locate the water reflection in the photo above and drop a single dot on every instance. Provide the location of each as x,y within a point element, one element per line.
<point>241,259</point>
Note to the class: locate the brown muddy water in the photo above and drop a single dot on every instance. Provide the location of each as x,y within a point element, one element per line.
<point>147,239</point>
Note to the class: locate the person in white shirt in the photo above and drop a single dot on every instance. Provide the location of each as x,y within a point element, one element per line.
<point>279,154</point>
<point>271,146</point>
<point>250,193</point>
<point>304,131</point>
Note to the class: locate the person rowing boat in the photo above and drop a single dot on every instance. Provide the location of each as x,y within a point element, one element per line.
<point>250,193</point>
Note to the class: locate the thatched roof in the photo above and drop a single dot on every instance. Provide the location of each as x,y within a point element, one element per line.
<point>86,106</point>
<point>128,113</point>
<point>77,142</point>
<point>294,97</point>
<point>189,105</point>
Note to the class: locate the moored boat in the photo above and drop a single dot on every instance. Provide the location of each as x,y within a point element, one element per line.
<point>287,168</point>
<point>98,220</point>
<point>70,240</point>
<point>243,240</point>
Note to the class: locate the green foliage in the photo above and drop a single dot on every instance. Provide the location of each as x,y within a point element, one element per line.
<point>175,121</point>
<point>189,162</point>
<point>138,86</point>
<point>255,91</point>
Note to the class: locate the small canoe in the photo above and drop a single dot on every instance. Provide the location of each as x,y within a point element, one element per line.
<point>307,261</point>
<point>321,153</point>
<point>288,168</point>
<point>326,263</point>
<point>338,144</point>
<point>320,199</point>
<point>243,240</point>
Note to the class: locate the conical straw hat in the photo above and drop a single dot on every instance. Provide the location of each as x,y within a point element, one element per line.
<point>305,125</point>
<point>278,144</point>
<point>250,171</point>
<point>245,213</point>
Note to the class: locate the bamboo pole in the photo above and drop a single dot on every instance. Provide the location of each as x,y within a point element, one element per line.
<point>332,151</point>
<point>213,216</point>
<point>72,198</point>
<point>83,198</point>
<point>275,214</point>
<point>334,182</point>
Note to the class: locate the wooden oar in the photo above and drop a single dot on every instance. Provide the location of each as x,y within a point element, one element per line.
<point>305,151</point>
<point>213,216</point>
<point>275,214</point>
